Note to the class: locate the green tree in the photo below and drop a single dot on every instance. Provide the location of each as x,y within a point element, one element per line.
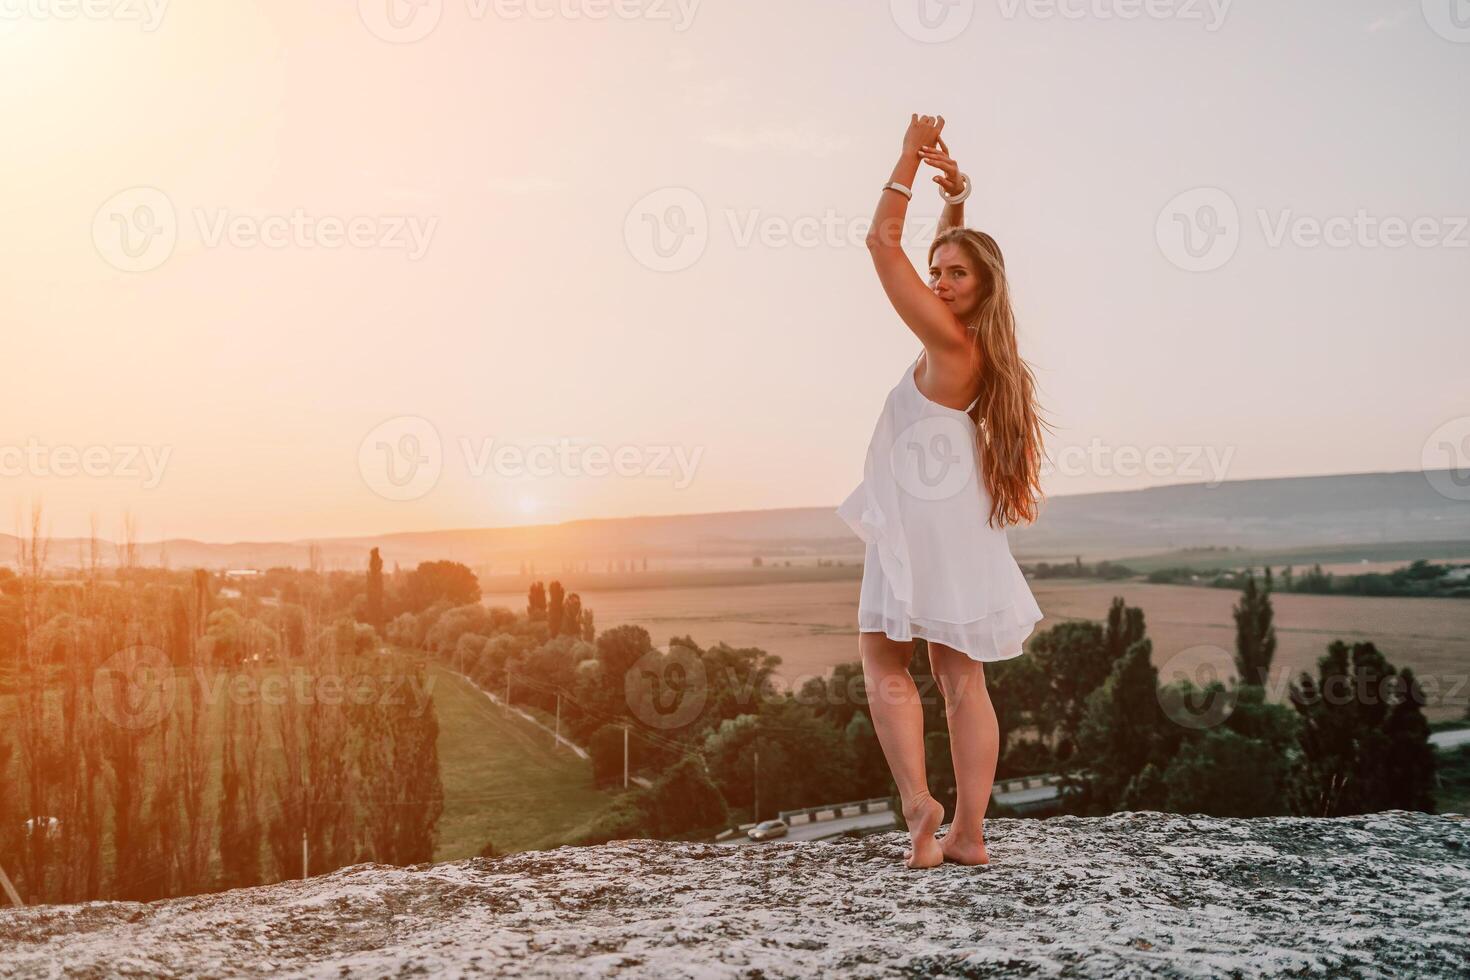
<point>1123,729</point>
<point>420,789</point>
<point>1255,637</point>
<point>1124,628</point>
<point>685,798</point>
<point>870,773</point>
<point>618,649</point>
<point>1364,739</point>
<point>554,609</point>
<point>1225,774</point>
<point>803,761</point>
<point>441,581</point>
<point>10,819</point>
<point>377,616</point>
<point>605,748</point>
<point>1238,768</point>
<point>1070,662</point>
<point>571,617</point>
<point>240,826</point>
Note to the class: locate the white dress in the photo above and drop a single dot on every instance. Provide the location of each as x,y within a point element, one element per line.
<point>934,568</point>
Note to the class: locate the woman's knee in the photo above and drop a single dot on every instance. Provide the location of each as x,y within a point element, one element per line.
<point>958,673</point>
<point>879,650</point>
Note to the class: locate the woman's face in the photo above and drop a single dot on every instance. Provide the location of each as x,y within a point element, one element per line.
<point>954,279</point>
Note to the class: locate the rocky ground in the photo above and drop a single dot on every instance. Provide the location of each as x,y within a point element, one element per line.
<point>1132,894</point>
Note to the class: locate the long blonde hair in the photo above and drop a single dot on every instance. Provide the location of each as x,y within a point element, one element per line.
<point>1008,427</point>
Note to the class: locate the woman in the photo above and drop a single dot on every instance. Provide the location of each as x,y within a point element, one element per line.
<point>939,485</point>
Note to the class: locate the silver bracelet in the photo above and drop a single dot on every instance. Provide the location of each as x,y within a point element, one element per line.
<point>895,185</point>
<point>960,197</point>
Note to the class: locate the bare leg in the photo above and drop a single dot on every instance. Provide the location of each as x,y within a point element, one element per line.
<point>898,720</point>
<point>974,738</point>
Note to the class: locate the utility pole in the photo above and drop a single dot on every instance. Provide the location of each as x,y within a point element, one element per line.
<point>304,854</point>
<point>755,778</point>
<point>625,757</point>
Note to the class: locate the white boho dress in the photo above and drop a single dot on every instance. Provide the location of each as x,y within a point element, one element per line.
<point>934,568</point>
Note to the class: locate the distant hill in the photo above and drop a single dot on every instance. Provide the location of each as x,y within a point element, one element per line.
<point>1358,508</point>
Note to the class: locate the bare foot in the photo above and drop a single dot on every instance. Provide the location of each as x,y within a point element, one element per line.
<point>923,815</point>
<point>961,849</point>
<point>964,849</point>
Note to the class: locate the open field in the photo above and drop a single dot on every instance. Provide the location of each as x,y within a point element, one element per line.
<point>811,626</point>
<point>835,565</point>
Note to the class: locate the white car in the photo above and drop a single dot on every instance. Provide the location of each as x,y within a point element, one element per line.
<point>767,829</point>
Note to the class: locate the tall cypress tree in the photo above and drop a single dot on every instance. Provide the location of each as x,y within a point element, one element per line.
<point>1409,779</point>
<point>1255,637</point>
<point>1125,628</point>
<point>376,615</point>
<point>554,609</point>
<point>1124,729</point>
<point>571,616</point>
<point>416,766</point>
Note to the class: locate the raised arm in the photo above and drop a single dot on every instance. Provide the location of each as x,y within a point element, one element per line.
<point>924,313</point>
<point>950,182</point>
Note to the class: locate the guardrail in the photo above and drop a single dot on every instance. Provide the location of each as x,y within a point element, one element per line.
<point>1022,793</point>
<point>815,814</point>
<point>1026,794</point>
<point>833,811</point>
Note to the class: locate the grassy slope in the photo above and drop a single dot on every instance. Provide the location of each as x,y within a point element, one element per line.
<point>503,780</point>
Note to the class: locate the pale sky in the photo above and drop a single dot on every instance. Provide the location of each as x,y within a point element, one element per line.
<point>502,175</point>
